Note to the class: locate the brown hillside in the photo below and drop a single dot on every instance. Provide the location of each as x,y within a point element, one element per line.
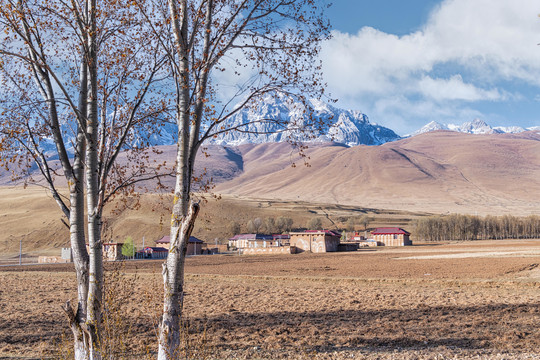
<point>435,172</point>
<point>31,216</point>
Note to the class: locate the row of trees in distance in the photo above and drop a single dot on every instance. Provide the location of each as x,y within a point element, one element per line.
<point>470,227</point>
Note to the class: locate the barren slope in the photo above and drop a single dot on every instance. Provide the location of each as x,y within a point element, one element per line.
<point>437,172</point>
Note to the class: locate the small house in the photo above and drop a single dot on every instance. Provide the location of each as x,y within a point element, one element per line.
<point>248,241</point>
<point>259,244</point>
<point>110,251</point>
<point>391,236</point>
<point>316,241</point>
<point>194,247</point>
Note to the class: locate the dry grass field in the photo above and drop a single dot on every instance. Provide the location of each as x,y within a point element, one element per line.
<point>30,215</point>
<point>475,300</point>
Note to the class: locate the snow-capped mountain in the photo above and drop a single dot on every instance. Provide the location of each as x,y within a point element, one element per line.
<point>510,129</point>
<point>352,127</point>
<point>477,126</point>
<point>277,117</point>
<point>431,126</point>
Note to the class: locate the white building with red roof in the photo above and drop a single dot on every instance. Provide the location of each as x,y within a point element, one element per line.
<point>391,236</point>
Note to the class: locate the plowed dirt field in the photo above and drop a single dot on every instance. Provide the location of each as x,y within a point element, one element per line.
<point>475,300</point>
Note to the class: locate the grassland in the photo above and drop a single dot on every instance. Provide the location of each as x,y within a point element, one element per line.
<point>31,216</point>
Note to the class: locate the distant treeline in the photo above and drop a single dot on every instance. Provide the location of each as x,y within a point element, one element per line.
<point>469,227</point>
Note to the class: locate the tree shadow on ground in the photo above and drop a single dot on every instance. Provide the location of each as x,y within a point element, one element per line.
<point>498,326</point>
<point>493,326</point>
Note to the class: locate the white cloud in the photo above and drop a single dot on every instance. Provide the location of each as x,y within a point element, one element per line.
<point>468,51</point>
<point>455,89</point>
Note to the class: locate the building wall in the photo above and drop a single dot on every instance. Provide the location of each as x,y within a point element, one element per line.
<point>112,252</point>
<point>52,260</point>
<point>301,242</point>
<point>367,243</point>
<point>242,243</point>
<point>393,240</point>
<point>253,243</point>
<point>194,249</point>
<point>318,244</point>
<point>261,243</point>
<point>67,255</point>
<point>269,250</point>
<point>331,243</point>
<point>406,240</point>
<point>314,242</point>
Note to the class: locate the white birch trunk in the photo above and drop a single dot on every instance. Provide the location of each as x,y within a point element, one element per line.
<point>173,281</point>
<point>95,280</point>
<point>81,261</point>
<point>184,211</point>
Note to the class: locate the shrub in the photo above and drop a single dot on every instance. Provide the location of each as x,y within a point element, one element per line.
<point>128,249</point>
<point>314,224</point>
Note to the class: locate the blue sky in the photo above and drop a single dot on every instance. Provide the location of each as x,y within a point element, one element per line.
<point>405,63</point>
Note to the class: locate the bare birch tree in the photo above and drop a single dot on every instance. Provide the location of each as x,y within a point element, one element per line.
<point>76,68</point>
<point>277,43</point>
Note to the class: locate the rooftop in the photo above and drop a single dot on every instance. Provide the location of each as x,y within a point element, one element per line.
<point>327,232</point>
<point>389,231</point>
<point>251,237</point>
<point>167,240</point>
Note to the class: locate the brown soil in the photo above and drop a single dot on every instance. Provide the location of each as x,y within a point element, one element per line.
<point>375,304</point>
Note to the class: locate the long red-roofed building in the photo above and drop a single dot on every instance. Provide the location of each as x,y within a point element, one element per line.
<point>391,236</point>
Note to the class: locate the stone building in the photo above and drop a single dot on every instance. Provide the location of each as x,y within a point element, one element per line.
<point>316,241</point>
<point>391,236</point>
<point>194,247</point>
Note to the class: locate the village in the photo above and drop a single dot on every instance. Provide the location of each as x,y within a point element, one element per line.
<point>312,241</point>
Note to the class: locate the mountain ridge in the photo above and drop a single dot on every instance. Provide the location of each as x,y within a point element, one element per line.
<point>264,123</point>
<point>476,127</point>
<point>280,118</point>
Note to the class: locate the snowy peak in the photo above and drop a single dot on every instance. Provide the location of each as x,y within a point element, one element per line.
<point>431,126</point>
<point>510,129</point>
<point>477,126</point>
<point>278,117</point>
